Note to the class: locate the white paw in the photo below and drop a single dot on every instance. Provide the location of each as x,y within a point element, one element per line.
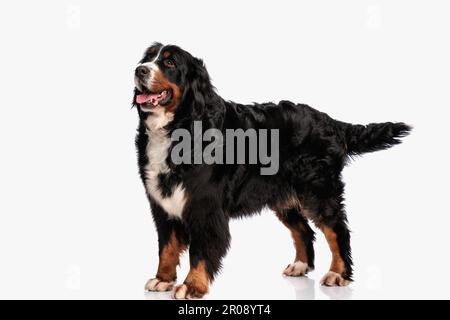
<point>158,285</point>
<point>180,292</point>
<point>296,269</point>
<point>333,279</point>
<point>184,291</point>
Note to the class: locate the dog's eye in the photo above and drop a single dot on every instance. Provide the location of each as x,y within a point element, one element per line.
<point>169,63</point>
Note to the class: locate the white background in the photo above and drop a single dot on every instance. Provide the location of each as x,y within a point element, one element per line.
<point>74,219</point>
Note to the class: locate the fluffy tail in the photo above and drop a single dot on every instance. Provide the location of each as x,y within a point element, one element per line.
<point>374,136</point>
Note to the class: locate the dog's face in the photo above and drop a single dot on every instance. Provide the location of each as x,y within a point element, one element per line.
<point>160,78</point>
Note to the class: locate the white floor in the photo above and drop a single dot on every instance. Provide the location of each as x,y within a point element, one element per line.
<point>118,267</point>
<point>382,269</point>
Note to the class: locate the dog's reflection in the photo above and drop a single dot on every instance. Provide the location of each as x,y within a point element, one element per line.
<point>303,286</point>
<point>305,289</point>
<point>337,293</point>
<point>158,295</point>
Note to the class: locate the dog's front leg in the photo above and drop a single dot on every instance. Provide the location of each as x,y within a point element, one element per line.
<point>207,226</point>
<point>172,241</point>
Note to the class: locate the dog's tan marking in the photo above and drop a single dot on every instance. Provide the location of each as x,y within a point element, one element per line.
<point>169,259</point>
<point>160,83</point>
<point>337,263</point>
<point>196,284</point>
<point>152,49</point>
<point>300,247</point>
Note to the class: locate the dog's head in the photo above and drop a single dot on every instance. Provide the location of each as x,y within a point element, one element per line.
<point>168,77</point>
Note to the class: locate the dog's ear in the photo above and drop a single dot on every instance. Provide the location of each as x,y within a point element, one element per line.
<point>200,87</point>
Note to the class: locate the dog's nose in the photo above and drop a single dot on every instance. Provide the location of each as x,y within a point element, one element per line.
<point>142,71</point>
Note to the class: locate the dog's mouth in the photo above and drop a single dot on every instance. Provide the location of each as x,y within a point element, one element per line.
<point>152,99</point>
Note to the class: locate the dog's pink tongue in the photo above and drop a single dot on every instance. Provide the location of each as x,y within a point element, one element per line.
<point>144,98</point>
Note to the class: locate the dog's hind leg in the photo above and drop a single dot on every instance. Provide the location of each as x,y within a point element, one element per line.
<point>332,220</point>
<point>329,215</point>
<point>303,237</point>
<point>338,238</point>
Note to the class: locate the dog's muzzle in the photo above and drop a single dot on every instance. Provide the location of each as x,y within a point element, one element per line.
<point>142,72</point>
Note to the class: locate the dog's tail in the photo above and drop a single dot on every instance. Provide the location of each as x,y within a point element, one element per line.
<point>373,137</point>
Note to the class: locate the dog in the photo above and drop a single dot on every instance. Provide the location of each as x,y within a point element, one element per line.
<point>192,203</point>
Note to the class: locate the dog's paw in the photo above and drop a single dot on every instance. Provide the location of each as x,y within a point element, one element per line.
<point>333,279</point>
<point>296,269</point>
<point>186,291</point>
<point>159,285</point>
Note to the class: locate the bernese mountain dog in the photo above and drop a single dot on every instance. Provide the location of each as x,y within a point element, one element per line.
<point>192,203</point>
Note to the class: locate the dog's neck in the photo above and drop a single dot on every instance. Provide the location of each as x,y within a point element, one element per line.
<point>157,119</point>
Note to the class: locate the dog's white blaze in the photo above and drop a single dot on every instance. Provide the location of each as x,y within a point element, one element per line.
<point>157,151</point>
<point>153,67</point>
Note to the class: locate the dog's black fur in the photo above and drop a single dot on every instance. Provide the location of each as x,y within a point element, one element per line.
<point>314,148</point>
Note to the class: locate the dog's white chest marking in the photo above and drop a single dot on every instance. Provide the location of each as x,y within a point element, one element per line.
<point>157,151</point>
